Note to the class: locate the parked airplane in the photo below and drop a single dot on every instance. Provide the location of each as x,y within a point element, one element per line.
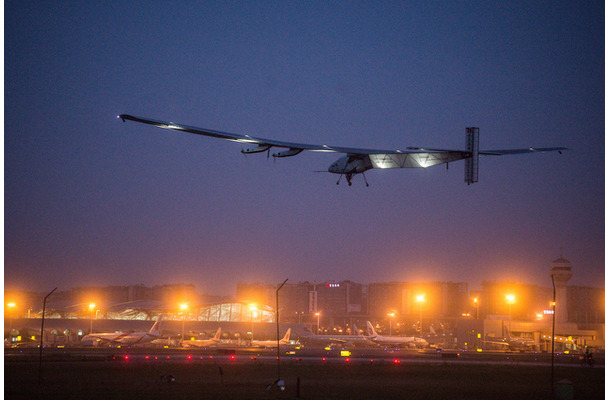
<point>401,341</point>
<point>129,338</point>
<point>345,340</point>
<point>272,343</point>
<point>358,161</point>
<point>512,342</point>
<point>203,342</point>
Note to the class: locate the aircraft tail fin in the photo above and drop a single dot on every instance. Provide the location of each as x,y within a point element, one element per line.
<point>370,329</point>
<point>471,166</point>
<point>286,337</point>
<point>155,328</point>
<point>356,330</point>
<point>217,335</point>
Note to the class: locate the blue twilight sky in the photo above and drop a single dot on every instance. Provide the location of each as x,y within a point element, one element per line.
<point>93,201</point>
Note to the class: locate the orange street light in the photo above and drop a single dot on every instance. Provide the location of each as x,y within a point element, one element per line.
<point>11,306</point>
<point>91,310</point>
<point>253,314</point>
<point>510,299</point>
<point>183,307</point>
<point>391,314</point>
<point>420,299</point>
<point>476,304</point>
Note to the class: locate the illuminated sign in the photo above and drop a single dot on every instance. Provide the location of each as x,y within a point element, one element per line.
<point>333,285</point>
<point>548,312</point>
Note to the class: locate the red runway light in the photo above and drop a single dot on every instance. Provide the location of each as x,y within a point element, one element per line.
<point>396,361</point>
<point>126,357</point>
<point>211,357</point>
<point>189,357</point>
<point>347,360</point>
<point>232,356</point>
<point>156,358</point>
<point>324,359</point>
<point>168,357</point>
<point>371,361</point>
<point>147,357</point>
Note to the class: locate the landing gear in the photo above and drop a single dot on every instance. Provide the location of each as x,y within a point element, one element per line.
<point>348,178</point>
<point>365,181</point>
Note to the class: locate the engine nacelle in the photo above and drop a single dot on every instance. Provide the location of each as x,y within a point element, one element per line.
<point>257,149</point>
<point>288,153</point>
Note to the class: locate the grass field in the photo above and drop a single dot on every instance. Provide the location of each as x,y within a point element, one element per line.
<point>248,379</point>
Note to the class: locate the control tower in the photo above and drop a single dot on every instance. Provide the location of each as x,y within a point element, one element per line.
<point>561,271</point>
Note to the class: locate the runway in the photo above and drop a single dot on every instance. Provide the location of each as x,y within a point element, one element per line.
<point>129,373</point>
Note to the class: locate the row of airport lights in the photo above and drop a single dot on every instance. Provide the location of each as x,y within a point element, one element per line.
<point>233,357</point>
<point>510,299</point>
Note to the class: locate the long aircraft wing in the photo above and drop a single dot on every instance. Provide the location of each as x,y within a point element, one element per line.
<point>265,144</point>
<point>295,148</point>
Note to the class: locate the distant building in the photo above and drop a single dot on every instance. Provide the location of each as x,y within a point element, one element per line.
<point>585,305</point>
<point>407,299</point>
<point>301,301</point>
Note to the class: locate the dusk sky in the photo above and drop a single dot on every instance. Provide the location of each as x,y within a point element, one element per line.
<point>90,200</point>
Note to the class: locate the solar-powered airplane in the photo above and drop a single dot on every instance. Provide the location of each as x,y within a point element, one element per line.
<point>356,160</point>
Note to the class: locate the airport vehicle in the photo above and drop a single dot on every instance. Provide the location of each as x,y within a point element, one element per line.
<point>129,338</point>
<point>357,160</point>
<point>272,343</point>
<point>203,342</point>
<point>344,340</point>
<point>400,341</point>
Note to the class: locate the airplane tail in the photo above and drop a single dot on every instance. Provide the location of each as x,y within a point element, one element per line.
<point>370,329</point>
<point>471,166</point>
<point>356,330</point>
<point>217,335</point>
<point>432,331</point>
<point>286,337</point>
<point>155,328</point>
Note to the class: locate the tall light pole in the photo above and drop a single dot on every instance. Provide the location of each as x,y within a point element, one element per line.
<point>277,325</point>
<point>318,315</point>
<point>91,309</point>
<point>183,307</point>
<point>510,299</point>
<point>553,342</point>
<point>10,306</point>
<point>44,307</point>
<point>420,299</point>
<point>253,310</point>
<point>476,304</point>
<point>391,315</point>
